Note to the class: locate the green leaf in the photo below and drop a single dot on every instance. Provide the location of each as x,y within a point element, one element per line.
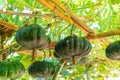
<point>11,1</point>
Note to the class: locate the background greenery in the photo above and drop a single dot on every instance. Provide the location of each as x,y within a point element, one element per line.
<point>100,15</point>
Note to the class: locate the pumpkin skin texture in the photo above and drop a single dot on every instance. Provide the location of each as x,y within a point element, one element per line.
<point>11,70</point>
<point>41,69</point>
<point>72,46</point>
<point>32,36</point>
<point>113,51</point>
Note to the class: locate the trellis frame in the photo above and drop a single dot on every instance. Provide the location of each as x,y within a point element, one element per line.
<point>59,9</point>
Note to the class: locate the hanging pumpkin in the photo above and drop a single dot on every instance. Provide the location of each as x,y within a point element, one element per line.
<point>32,36</point>
<point>72,46</point>
<point>41,69</point>
<point>113,50</point>
<point>11,70</point>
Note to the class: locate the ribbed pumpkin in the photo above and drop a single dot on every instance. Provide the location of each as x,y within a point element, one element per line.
<point>41,69</point>
<point>72,46</point>
<point>32,36</point>
<point>11,70</point>
<point>113,50</point>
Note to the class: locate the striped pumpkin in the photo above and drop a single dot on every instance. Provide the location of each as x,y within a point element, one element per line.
<point>41,69</point>
<point>32,36</point>
<point>72,46</point>
<point>11,70</point>
<point>113,50</point>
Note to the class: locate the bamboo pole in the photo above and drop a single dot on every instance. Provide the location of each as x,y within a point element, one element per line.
<point>7,25</point>
<point>76,19</point>
<point>103,35</point>
<point>27,14</point>
<point>60,67</point>
<point>37,15</point>
<point>61,14</point>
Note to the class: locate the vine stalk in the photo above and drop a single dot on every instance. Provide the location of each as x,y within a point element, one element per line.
<point>57,72</point>
<point>73,60</point>
<point>33,54</point>
<point>44,55</point>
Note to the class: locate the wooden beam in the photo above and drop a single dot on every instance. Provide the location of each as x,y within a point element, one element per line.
<point>27,14</point>
<point>61,14</point>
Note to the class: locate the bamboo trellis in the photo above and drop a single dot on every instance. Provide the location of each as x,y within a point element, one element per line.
<point>27,14</point>
<point>8,25</point>
<point>59,9</point>
<point>59,12</point>
<point>90,36</point>
<point>104,34</point>
<point>71,18</point>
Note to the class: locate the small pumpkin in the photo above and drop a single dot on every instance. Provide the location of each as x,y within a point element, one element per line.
<point>41,69</point>
<point>72,46</point>
<point>11,70</point>
<point>32,36</point>
<point>113,50</point>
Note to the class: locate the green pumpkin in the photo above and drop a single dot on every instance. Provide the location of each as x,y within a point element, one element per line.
<point>41,69</point>
<point>72,46</point>
<point>32,36</point>
<point>11,70</point>
<point>113,50</point>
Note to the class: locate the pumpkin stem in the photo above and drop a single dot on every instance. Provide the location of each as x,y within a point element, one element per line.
<point>71,33</point>
<point>57,72</point>
<point>50,53</point>
<point>28,21</point>
<point>44,55</point>
<point>33,54</point>
<point>73,60</point>
<point>35,19</point>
